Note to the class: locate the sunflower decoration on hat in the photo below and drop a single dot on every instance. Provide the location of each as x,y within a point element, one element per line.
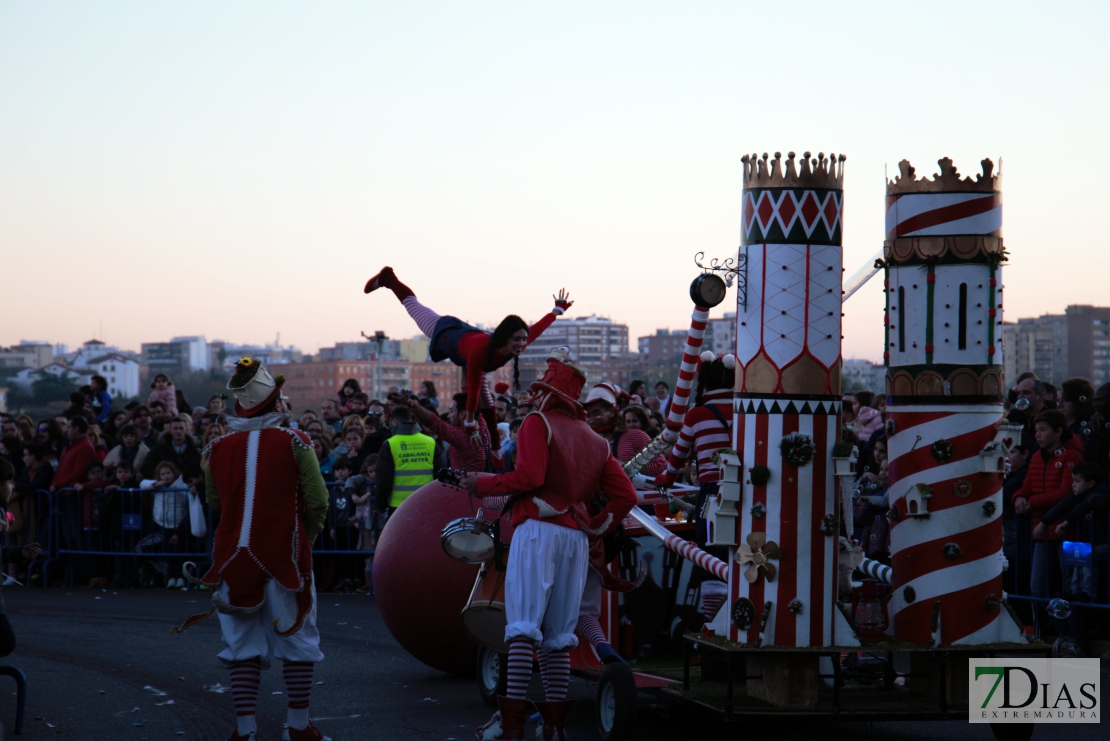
<point>253,387</point>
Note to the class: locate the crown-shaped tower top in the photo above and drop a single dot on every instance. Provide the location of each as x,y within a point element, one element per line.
<point>946,181</point>
<point>811,172</point>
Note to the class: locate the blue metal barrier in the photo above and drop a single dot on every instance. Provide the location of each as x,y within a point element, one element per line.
<point>155,524</point>
<point>1096,557</point>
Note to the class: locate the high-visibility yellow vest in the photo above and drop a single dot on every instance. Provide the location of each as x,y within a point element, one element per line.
<point>412,464</point>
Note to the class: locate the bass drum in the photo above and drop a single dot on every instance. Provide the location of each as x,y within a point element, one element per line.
<point>484,614</point>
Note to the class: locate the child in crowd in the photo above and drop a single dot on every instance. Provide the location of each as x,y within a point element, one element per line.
<point>362,491</point>
<point>1016,536</point>
<point>171,519</point>
<point>1080,517</point>
<point>114,503</point>
<point>95,519</point>
<point>1049,480</point>
<point>164,392</point>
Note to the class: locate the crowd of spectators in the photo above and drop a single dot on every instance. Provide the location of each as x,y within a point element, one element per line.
<point>101,461</point>
<point>1055,502</point>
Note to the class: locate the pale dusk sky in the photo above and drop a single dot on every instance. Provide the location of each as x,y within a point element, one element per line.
<point>239,169</point>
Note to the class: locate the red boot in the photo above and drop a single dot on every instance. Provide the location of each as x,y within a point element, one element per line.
<point>507,724</point>
<point>383,279</point>
<point>554,716</point>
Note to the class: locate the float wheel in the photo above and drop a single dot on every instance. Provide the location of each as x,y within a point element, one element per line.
<point>493,675</point>
<point>616,703</point>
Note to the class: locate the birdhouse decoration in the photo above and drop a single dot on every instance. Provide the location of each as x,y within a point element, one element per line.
<point>844,455</point>
<point>916,501</point>
<point>723,511</point>
<point>995,458</point>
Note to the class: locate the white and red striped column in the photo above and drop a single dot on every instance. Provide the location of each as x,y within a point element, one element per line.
<point>788,381</point>
<point>944,379</point>
<point>687,372</point>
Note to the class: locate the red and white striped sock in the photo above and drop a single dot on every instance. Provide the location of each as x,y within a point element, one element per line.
<point>298,688</point>
<point>424,317</point>
<point>245,678</point>
<point>541,659</point>
<point>520,668</point>
<point>558,675</point>
<point>713,593</point>
<point>590,628</point>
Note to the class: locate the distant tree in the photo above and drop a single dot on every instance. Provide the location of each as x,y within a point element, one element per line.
<point>51,388</point>
<point>19,399</point>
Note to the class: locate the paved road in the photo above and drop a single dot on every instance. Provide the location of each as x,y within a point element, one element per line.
<point>100,662</point>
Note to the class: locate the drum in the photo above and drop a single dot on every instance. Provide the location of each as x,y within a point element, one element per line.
<point>469,539</point>
<point>484,614</point>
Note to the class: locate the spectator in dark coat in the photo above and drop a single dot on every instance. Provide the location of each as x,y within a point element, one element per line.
<point>176,446</point>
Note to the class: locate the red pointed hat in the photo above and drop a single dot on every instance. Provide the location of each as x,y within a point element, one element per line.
<point>561,377</point>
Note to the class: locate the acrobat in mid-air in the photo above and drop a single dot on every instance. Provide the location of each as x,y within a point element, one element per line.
<point>478,351</point>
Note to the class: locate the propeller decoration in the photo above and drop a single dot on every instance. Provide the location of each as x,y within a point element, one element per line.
<point>756,553</point>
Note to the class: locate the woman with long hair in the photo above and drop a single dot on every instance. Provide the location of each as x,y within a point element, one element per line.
<point>345,397</point>
<point>478,351</point>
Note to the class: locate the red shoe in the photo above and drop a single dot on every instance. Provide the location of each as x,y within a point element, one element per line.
<point>308,733</point>
<point>384,279</point>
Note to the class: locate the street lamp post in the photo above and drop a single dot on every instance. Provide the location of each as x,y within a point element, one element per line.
<point>380,338</point>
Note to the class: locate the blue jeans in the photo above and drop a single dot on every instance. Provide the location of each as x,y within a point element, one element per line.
<point>1046,557</point>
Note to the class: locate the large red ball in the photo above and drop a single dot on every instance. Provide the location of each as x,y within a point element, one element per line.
<point>419,590</point>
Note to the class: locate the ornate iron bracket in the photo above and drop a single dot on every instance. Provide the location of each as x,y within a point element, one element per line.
<point>733,269</point>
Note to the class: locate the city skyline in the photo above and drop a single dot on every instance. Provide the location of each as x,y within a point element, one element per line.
<point>178,169</point>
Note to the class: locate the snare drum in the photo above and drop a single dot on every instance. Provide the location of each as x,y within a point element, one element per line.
<point>484,614</point>
<point>469,539</point>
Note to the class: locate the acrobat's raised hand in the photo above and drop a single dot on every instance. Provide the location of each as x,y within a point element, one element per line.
<point>562,302</point>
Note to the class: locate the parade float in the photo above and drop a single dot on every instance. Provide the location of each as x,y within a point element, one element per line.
<point>809,628</point>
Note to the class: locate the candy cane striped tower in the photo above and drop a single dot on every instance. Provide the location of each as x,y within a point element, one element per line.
<point>788,380</point>
<point>944,379</point>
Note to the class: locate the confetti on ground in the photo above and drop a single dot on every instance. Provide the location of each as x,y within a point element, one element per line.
<point>157,692</point>
<point>102,692</point>
<point>277,693</point>
<point>428,699</point>
<point>137,724</point>
<point>167,702</point>
<point>50,725</point>
<point>181,679</point>
<point>319,683</point>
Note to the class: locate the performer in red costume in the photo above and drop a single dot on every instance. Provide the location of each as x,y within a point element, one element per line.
<point>603,414</point>
<point>266,482</point>
<point>474,349</point>
<point>706,429</point>
<point>561,464</point>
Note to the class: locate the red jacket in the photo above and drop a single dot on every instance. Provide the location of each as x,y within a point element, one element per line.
<point>71,467</point>
<point>1049,479</point>
<point>561,463</point>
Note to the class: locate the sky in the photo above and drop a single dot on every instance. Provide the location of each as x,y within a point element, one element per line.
<point>238,170</point>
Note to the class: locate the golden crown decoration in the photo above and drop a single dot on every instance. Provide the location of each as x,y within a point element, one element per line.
<point>810,171</point>
<point>946,181</point>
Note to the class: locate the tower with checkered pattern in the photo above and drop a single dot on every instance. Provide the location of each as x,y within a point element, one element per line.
<point>782,585</point>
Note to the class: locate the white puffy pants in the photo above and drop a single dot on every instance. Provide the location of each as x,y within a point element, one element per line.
<point>251,635</point>
<point>591,596</point>
<point>544,580</point>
